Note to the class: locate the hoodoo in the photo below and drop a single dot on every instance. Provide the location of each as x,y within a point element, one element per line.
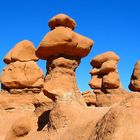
<point>104,73</point>
<point>63,50</point>
<point>135,78</point>
<point>22,73</point>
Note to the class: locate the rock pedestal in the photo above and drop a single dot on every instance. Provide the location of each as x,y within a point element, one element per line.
<point>135,78</point>
<point>104,73</point>
<point>63,50</point>
<point>22,73</point>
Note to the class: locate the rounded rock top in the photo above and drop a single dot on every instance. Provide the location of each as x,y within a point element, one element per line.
<point>63,41</point>
<point>98,60</point>
<point>62,20</point>
<point>22,51</point>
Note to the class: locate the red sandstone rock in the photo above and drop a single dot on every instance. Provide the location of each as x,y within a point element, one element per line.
<point>96,82</point>
<point>104,73</point>
<point>22,75</point>
<point>121,122</point>
<point>108,67</point>
<point>111,80</point>
<point>63,50</point>
<point>135,78</point>
<point>95,71</point>
<point>89,97</point>
<point>62,20</point>
<point>20,128</point>
<point>23,51</point>
<point>100,59</point>
<point>63,41</point>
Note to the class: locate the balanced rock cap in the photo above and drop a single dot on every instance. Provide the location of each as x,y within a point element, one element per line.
<point>136,72</point>
<point>22,51</point>
<point>62,20</point>
<point>98,60</point>
<point>63,41</point>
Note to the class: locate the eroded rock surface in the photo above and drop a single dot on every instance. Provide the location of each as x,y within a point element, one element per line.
<point>63,50</point>
<point>22,72</point>
<point>104,73</point>
<point>22,51</point>
<point>135,78</point>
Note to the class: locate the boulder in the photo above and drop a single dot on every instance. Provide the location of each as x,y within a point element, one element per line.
<point>108,67</point>
<point>111,80</point>
<point>22,75</point>
<point>63,41</point>
<point>20,128</point>
<point>121,122</point>
<point>22,51</point>
<point>62,20</point>
<point>89,97</point>
<point>100,59</point>
<point>96,82</point>
<point>135,78</point>
<point>63,49</point>
<point>95,71</point>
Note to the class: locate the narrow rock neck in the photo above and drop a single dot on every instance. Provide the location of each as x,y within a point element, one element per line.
<point>60,81</point>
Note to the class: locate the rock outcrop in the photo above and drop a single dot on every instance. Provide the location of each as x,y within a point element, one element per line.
<point>135,78</point>
<point>89,97</point>
<point>104,73</point>
<point>22,73</point>
<point>121,122</point>
<point>113,114</point>
<point>63,50</point>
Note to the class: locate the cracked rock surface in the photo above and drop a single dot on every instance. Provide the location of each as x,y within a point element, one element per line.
<point>22,72</point>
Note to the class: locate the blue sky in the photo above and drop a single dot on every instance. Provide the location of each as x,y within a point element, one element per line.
<point>112,24</point>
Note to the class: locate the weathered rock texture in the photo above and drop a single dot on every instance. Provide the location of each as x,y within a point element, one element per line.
<point>63,50</point>
<point>121,122</point>
<point>104,73</point>
<point>135,78</point>
<point>22,51</point>
<point>22,73</point>
<point>62,20</point>
<point>89,97</point>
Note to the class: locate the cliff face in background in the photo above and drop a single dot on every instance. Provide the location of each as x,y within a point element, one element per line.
<point>34,107</point>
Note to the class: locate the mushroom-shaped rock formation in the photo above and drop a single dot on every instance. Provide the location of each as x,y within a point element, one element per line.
<point>135,78</point>
<point>22,73</point>
<point>104,72</point>
<point>22,51</point>
<point>63,50</point>
<point>62,20</point>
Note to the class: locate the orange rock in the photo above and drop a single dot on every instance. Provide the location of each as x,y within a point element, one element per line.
<point>20,128</point>
<point>135,78</point>
<point>62,20</point>
<point>63,50</point>
<point>100,59</point>
<point>23,51</point>
<point>111,80</point>
<point>108,67</point>
<point>63,41</point>
<point>89,97</point>
<point>96,82</point>
<point>119,123</point>
<point>60,82</point>
<point>22,75</point>
<point>95,71</point>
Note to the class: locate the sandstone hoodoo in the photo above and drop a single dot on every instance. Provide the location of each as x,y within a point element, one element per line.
<point>63,50</point>
<point>104,73</point>
<point>135,78</point>
<point>22,73</point>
